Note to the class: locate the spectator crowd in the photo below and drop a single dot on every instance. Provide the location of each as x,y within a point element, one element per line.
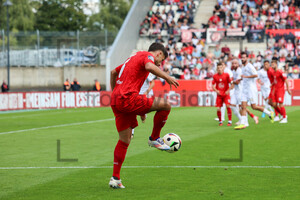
<point>167,18</point>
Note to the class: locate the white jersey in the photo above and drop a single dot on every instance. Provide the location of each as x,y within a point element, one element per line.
<point>237,75</point>
<point>146,85</point>
<point>249,83</point>
<point>249,89</point>
<point>263,76</point>
<point>228,71</point>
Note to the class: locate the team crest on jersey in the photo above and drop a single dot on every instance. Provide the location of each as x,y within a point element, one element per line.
<point>151,58</point>
<point>221,85</point>
<point>220,79</point>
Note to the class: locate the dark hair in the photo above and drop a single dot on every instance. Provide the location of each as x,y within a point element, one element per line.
<point>266,61</point>
<point>158,47</point>
<point>274,61</point>
<point>220,64</point>
<point>243,52</point>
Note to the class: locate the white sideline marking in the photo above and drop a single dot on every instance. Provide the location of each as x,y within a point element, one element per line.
<point>136,167</point>
<point>56,126</point>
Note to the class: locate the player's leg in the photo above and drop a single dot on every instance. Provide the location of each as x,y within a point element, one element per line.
<point>119,157</point>
<point>219,104</point>
<point>162,108</point>
<point>283,112</point>
<point>254,106</point>
<point>244,119</point>
<point>279,100</point>
<point>223,112</point>
<point>255,118</point>
<point>229,112</point>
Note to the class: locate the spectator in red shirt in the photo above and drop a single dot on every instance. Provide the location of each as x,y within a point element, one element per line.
<point>225,50</point>
<point>215,18</point>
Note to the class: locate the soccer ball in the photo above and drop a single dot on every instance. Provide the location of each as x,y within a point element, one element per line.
<point>172,140</point>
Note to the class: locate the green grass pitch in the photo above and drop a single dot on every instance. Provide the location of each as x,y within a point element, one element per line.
<point>29,139</point>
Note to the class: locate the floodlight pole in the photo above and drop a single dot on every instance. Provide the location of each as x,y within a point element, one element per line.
<point>7,4</point>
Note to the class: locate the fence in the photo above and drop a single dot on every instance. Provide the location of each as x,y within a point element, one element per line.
<point>40,48</point>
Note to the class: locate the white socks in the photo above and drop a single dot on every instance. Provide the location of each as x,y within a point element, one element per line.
<point>236,112</point>
<point>267,112</point>
<point>223,112</point>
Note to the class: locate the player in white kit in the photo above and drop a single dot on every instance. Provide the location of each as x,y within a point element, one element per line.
<point>249,92</point>
<point>236,96</point>
<point>146,89</point>
<point>265,87</point>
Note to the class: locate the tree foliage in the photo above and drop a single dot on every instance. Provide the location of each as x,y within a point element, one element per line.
<point>111,16</point>
<point>21,15</point>
<point>60,15</point>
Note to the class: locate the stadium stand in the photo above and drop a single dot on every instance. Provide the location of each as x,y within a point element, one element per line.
<point>167,21</point>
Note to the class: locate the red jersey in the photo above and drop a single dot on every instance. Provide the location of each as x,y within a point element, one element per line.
<point>131,75</point>
<point>270,73</point>
<point>279,79</point>
<point>222,82</point>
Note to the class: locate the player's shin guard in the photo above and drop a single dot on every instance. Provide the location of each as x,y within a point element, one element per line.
<point>219,115</point>
<point>119,157</point>
<point>283,112</point>
<point>229,113</point>
<point>160,119</point>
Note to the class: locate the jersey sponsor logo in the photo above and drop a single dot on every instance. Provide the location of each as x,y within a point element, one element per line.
<point>151,58</point>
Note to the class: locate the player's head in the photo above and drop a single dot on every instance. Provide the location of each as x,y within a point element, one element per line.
<point>244,57</point>
<point>223,64</point>
<point>220,68</point>
<point>274,64</point>
<point>235,64</point>
<point>159,52</point>
<point>266,64</point>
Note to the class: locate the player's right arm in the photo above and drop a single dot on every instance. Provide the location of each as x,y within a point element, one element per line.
<point>158,72</point>
<point>214,86</point>
<point>113,76</point>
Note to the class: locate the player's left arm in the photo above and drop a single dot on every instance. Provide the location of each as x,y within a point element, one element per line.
<point>230,82</point>
<point>151,67</point>
<point>287,86</point>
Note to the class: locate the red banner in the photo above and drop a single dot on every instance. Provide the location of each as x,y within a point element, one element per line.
<point>190,93</point>
<point>274,32</point>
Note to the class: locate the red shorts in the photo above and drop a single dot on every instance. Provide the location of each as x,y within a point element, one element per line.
<point>126,110</point>
<point>279,96</point>
<point>272,94</point>
<point>222,99</point>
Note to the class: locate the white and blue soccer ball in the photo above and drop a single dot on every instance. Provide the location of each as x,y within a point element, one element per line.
<point>173,141</point>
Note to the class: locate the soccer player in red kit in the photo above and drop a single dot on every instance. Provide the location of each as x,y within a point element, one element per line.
<point>279,80</point>
<point>270,72</point>
<point>221,85</point>
<point>127,103</point>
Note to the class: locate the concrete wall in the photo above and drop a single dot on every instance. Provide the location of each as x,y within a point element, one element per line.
<point>127,37</point>
<point>28,77</point>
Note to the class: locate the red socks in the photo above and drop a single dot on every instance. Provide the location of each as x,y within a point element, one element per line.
<point>276,111</point>
<point>160,119</point>
<point>283,112</point>
<point>119,156</point>
<point>229,113</point>
<point>251,115</point>
<point>219,115</point>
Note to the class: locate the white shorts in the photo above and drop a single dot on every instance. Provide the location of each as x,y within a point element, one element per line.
<point>249,96</point>
<point>265,92</point>
<point>235,98</point>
